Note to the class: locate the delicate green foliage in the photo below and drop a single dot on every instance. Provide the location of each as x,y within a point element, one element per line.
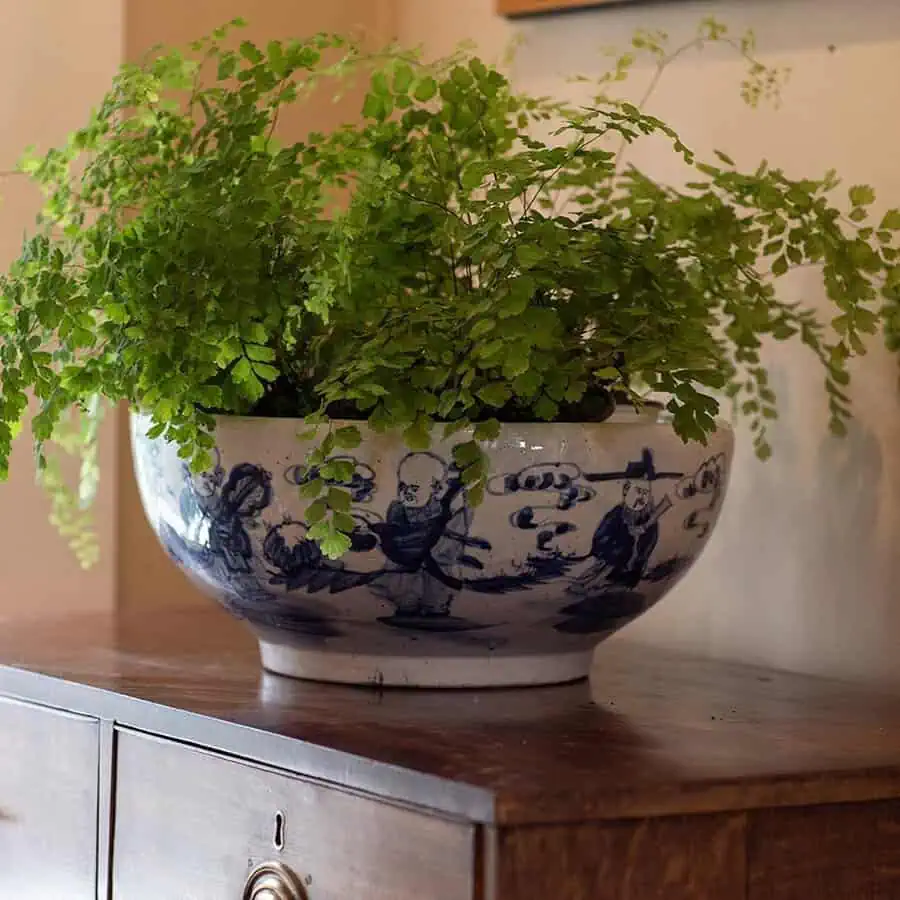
<point>70,511</point>
<point>311,489</point>
<point>347,438</point>
<point>433,262</point>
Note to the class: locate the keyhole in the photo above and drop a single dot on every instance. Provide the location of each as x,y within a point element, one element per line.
<point>278,836</point>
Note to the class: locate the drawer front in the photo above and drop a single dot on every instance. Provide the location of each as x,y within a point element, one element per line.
<point>48,803</point>
<point>190,825</point>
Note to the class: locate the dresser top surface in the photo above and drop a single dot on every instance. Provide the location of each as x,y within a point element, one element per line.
<point>654,733</point>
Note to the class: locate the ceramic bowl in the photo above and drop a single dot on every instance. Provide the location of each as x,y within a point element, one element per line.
<point>583,528</point>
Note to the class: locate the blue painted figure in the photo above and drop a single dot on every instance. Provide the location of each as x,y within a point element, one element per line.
<point>199,499</point>
<point>621,548</point>
<point>424,538</point>
<point>246,493</point>
<point>218,511</point>
<point>708,483</point>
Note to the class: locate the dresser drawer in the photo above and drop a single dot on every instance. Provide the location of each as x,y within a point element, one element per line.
<point>191,825</point>
<point>48,803</point>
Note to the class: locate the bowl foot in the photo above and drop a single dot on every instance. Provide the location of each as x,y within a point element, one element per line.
<point>424,672</point>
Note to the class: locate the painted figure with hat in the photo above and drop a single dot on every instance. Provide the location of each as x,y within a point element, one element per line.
<point>621,547</point>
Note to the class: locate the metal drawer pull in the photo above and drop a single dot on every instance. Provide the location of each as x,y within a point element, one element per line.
<point>273,881</point>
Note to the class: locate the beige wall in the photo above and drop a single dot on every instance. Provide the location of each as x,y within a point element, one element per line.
<point>56,60</point>
<point>145,575</point>
<point>804,571</point>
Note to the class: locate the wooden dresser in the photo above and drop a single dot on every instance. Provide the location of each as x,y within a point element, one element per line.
<point>150,759</point>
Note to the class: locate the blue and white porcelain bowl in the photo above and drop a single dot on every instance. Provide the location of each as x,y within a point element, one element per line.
<point>583,528</point>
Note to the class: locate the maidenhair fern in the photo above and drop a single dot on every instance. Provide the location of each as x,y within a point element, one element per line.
<point>433,262</point>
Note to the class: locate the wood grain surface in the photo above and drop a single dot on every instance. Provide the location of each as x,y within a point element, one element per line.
<point>693,858</point>
<point>849,852</point>
<point>653,734</point>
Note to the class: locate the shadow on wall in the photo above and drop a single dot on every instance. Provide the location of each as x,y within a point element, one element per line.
<point>803,569</point>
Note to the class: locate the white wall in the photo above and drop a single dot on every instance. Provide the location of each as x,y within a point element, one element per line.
<point>56,61</point>
<point>804,570</point>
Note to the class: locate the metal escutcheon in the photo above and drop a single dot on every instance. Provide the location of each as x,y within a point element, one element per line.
<point>273,881</point>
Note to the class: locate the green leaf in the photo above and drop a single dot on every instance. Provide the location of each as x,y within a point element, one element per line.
<point>251,52</point>
<point>518,360</point>
<point>488,430</point>
<point>724,158</point>
<point>465,454</point>
<point>373,107</point>
<point>487,352</point>
<point>451,428</point>
<point>403,77</point>
<point>472,176</point>
<point>862,195</point>
<point>473,474</point>
<point>276,57</point>
<point>335,545</point>
<point>521,291</point>
<point>418,435</point>
<point>780,266</point>
<point>228,65</point>
<point>380,84</point>
<point>258,353</point>
<point>481,328</point>
<point>546,408</point>
<point>117,312</point>
<point>475,495</point>
<point>338,499</point>
<point>347,437</point>
<point>311,489</point>
<point>344,523</point>
<point>426,89</point>
<point>242,372</point>
<point>265,372</point>
<point>315,512</point>
<point>531,255</point>
<point>496,394</point>
<point>891,220</point>
<point>341,470</point>
<point>528,383</point>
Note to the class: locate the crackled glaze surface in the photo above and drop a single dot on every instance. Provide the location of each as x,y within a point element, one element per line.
<point>583,528</point>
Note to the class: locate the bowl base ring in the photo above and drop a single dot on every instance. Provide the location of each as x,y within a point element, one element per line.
<point>312,664</point>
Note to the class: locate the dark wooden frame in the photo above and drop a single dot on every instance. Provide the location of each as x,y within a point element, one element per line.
<point>538,7</point>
